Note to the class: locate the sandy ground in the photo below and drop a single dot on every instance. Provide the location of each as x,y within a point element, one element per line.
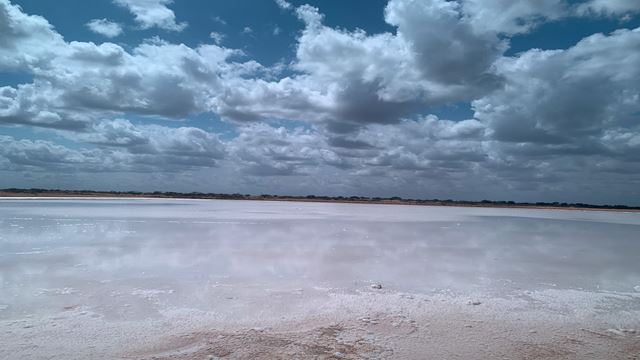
<point>396,336</point>
<point>433,341</point>
<point>368,324</point>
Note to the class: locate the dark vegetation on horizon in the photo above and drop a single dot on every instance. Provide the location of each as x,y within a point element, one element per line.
<point>316,198</point>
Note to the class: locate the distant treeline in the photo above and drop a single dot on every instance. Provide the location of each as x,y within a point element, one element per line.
<point>316,198</point>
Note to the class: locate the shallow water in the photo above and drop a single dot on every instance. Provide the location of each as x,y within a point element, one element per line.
<point>149,255</point>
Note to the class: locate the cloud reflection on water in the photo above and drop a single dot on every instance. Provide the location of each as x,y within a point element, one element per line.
<point>102,249</point>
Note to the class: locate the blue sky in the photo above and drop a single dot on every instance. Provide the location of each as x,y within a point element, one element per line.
<point>226,17</point>
<point>466,99</point>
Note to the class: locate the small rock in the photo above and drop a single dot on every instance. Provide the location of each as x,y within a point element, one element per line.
<point>474,302</point>
<point>376,286</point>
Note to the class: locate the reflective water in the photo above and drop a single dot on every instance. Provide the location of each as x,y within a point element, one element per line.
<point>105,254</point>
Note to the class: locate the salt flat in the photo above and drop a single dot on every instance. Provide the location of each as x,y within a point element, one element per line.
<point>194,279</point>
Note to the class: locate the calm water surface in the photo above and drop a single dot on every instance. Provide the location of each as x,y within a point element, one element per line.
<point>108,253</point>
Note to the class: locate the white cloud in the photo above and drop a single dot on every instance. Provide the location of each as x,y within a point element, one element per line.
<point>465,54</point>
<point>76,82</point>
<point>119,146</point>
<point>350,79</point>
<point>158,146</point>
<point>219,20</point>
<point>153,13</point>
<point>264,150</point>
<point>39,154</point>
<point>247,30</point>
<point>427,144</point>
<point>512,16</point>
<point>157,78</point>
<point>37,105</point>
<point>566,96</point>
<point>608,7</point>
<point>105,27</point>
<point>555,123</point>
<point>217,37</point>
<point>283,4</point>
<point>26,41</point>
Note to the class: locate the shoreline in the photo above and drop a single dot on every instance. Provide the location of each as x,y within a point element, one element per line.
<point>109,196</point>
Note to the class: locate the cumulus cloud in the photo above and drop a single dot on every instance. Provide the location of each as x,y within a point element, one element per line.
<point>153,13</point>
<point>39,154</point>
<point>283,4</point>
<point>464,54</point>
<point>350,79</point>
<point>426,144</point>
<point>118,145</point>
<point>512,16</point>
<point>105,27</point>
<point>351,111</point>
<point>608,7</point>
<point>217,37</point>
<point>219,20</point>
<point>77,81</point>
<point>566,96</point>
<point>37,105</point>
<point>153,144</point>
<point>22,38</point>
<point>264,150</point>
<point>93,79</point>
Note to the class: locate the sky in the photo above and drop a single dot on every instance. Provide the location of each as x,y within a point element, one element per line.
<point>463,99</point>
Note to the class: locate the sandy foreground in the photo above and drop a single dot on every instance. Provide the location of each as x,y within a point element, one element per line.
<point>380,324</point>
<point>155,279</point>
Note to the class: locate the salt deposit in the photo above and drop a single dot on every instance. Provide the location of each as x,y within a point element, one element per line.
<point>194,279</point>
